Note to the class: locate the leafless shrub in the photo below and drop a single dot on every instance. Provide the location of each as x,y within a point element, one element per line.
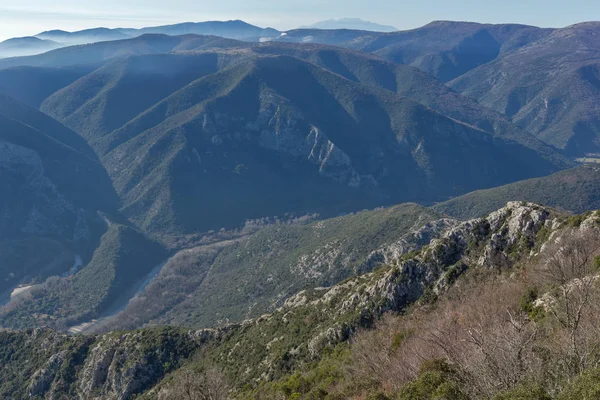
<point>568,271</point>
<point>491,329</point>
<point>479,328</point>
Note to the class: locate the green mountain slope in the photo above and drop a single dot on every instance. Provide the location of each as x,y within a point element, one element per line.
<point>279,122</point>
<point>222,283</point>
<point>444,49</point>
<point>116,93</point>
<point>412,83</point>
<point>121,263</point>
<point>575,190</point>
<point>554,96</point>
<point>121,79</point>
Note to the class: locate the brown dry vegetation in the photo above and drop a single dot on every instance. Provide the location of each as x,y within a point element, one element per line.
<point>529,331</point>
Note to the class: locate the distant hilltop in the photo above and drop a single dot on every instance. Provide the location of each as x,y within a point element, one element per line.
<point>351,23</point>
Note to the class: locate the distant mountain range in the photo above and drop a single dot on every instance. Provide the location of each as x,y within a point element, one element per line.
<point>350,23</point>
<point>82,37</point>
<point>474,59</point>
<point>53,39</point>
<point>228,29</point>
<point>26,46</point>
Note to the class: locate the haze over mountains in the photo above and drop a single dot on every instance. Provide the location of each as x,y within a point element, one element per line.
<point>48,40</point>
<point>470,57</point>
<point>26,46</point>
<point>350,23</point>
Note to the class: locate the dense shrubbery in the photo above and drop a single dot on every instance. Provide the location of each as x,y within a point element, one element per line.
<point>437,380</point>
<point>206,286</point>
<point>584,387</point>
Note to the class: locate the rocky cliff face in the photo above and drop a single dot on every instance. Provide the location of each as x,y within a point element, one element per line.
<point>284,130</point>
<point>45,210</point>
<point>492,242</point>
<point>44,364</point>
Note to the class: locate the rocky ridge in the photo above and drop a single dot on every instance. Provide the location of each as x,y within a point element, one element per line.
<point>316,319</point>
<point>118,365</point>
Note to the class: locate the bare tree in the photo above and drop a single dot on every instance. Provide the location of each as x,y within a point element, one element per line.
<point>570,271</point>
<point>479,328</point>
<point>496,335</point>
<point>486,334</point>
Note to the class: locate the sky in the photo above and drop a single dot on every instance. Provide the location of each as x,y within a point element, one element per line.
<point>24,18</point>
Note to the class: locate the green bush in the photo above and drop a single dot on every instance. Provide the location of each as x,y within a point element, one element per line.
<point>428,296</point>
<point>398,339</point>
<point>455,271</point>
<point>438,380</point>
<point>585,387</point>
<point>597,263</point>
<point>575,221</point>
<point>527,305</point>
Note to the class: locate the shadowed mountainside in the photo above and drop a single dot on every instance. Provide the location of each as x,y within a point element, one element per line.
<point>576,190</point>
<point>550,87</point>
<point>52,185</point>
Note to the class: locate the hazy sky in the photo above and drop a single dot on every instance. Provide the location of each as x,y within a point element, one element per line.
<point>21,18</point>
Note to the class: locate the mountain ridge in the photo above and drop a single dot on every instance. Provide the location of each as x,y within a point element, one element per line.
<point>350,23</point>
<point>255,78</point>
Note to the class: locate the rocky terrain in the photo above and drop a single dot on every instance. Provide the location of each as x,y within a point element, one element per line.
<point>511,235</point>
